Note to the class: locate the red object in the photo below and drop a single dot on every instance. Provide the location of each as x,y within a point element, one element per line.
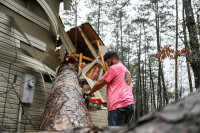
<point>95,100</point>
<point>94,103</point>
<point>90,107</point>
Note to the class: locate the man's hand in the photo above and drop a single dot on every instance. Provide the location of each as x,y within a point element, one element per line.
<point>88,93</point>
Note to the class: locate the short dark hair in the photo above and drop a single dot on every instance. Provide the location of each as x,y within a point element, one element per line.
<point>111,54</point>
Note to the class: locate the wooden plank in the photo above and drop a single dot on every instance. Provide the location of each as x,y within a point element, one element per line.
<point>28,4</point>
<point>9,32</point>
<point>80,62</point>
<point>101,43</point>
<point>19,78</point>
<point>19,68</point>
<point>90,46</point>
<point>14,106</point>
<point>84,57</point>
<point>4,16</point>
<point>26,13</point>
<point>90,73</point>
<point>9,41</point>
<point>5,24</point>
<point>27,61</point>
<point>102,59</point>
<point>7,46</point>
<point>38,94</point>
<point>4,71</point>
<point>39,101</point>
<point>34,41</point>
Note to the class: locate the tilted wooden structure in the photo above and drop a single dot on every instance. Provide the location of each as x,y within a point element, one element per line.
<point>90,50</point>
<point>28,33</point>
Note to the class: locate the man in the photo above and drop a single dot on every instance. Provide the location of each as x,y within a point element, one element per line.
<point>120,103</point>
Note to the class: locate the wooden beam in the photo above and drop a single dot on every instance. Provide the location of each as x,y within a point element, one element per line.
<point>91,71</point>
<point>84,57</point>
<point>90,46</point>
<point>101,43</point>
<point>28,4</point>
<point>95,42</point>
<point>80,62</point>
<point>100,52</point>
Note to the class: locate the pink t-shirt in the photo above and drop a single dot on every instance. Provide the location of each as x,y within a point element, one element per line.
<point>119,88</point>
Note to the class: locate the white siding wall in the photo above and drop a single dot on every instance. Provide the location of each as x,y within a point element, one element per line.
<point>33,111</point>
<point>13,64</point>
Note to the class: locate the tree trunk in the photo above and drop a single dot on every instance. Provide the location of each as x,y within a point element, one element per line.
<point>159,95</point>
<point>187,48</point>
<point>121,38</point>
<point>99,15</point>
<point>176,58</point>
<point>139,74</point>
<point>152,84</point>
<point>128,59</point>
<point>144,91</point>
<point>138,88</point>
<point>194,45</point>
<point>165,96</point>
<point>146,94</point>
<point>65,107</point>
<point>198,21</point>
<point>180,117</point>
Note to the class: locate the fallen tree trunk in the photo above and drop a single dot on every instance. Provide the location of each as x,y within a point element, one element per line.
<point>180,117</point>
<point>65,107</point>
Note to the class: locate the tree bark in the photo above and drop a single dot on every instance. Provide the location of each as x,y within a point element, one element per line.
<point>144,91</point>
<point>139,74</point>
<point>187,48</point>
<point>194,59</point>
<point>99,15</point>
<point>65,107</point>
<point>198,21</point>
<point>165,96</point>
<point>176,57</point>
<point>159,95</point>
<point>138,111</point>
<point>121,38</point>
<point>152,84</point>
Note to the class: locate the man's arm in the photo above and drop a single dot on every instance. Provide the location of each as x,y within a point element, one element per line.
<point>97,86</point>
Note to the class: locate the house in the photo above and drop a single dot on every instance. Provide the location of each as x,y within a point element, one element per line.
<point>29,31</point>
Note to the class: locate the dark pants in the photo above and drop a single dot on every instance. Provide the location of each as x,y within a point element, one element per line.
<point>121,116</point>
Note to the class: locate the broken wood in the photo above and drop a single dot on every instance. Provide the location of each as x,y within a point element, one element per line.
<point>65,107</point>
<point>80,62</point>
<point>89,45</point>
<point>101,55</point>
<point>91,71</point>
<point>84,57</point>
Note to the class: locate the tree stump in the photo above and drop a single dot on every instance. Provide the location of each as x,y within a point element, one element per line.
<point>65,107</point>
